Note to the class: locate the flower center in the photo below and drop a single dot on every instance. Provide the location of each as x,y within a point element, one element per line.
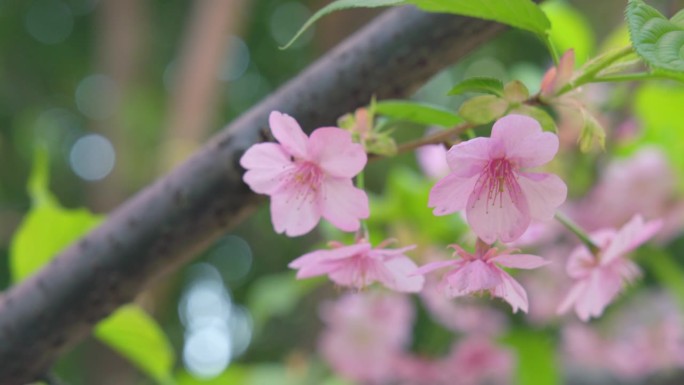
<point>308,174</point>
<point>498,174</point>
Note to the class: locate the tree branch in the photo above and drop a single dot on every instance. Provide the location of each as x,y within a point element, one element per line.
<point>170,221</point>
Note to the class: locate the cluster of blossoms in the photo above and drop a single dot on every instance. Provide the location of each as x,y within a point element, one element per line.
<point>309,178</point>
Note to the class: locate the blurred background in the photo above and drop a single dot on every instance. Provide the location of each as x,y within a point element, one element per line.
<point>117,92</point>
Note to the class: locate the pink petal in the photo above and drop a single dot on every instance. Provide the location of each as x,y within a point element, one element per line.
<point>511,291</point>
<point>629,237</point>
<point>473,277</point>
<point>524,141</point>
<point>329,255</point>
<point>342,203</point>
<point>544,193</point>
<point>432,266</point>
<point>576,292</point>
<point>467,159</point>
<point>289,134</point>
<point>505,216</point>
<point>333,150</point>
<point>602,288</point>
<point>267,166</point>
<point>294,210</point>
<point>451,194</point>
<point>401,277</point>
<point>548,82</point>
<point>520,261</point>
<point>353,275</point>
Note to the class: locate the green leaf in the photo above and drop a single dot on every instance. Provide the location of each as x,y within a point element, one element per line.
<point>678,18</point>
<point>569,29</point>
<point>536,357</point>
<point>659,41</point>
<point>416,112</point>
<point>235,374</point>
<point>483,109</point>
<point>479,84</point>
<point>338,6</point>
<point>516,92</point>
<point>543,117</point>
<point>47,228</point>
<point>523,14</point>
<point>137,336</point>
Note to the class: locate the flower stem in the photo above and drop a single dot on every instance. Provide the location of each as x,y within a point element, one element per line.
<point>575,229</point>
<point>436,138</point>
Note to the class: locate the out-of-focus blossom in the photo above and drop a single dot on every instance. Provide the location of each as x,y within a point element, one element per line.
<point>547,290</point>
<point>487,180</point>
<point>360,264</point>
<point>599,278</point>
<point>641,184</point>
<point>478,361</point>
<point>307,177</point>
<point>365,335</point>
<point>642,339</point>
<point>462,317</point>
<point>432,160</point>
<point>481,272</point>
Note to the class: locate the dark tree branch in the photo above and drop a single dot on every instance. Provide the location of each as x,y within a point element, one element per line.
<point>169,222</point>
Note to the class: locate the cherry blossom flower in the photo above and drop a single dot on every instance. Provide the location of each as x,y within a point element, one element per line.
<point>600,278</point>
<point>486,180</point>
<point>480,272</point>
<point>307,177</point>
<point>365,335</point>
<point>476,360</point>
<point>360,264</point>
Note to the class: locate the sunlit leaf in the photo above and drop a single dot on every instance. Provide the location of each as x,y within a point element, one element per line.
<point>483,109</point>
<point>523,14</point>
<point>659,41</point>
<point>137,336</point>
<point>421,113</point>
<point>658,107</point>
<point>47,228</point>
<point>338,6</point>
<point>235,374</point>
<point>536,357</point>
<point>570,29</point>
<point>479,84</point>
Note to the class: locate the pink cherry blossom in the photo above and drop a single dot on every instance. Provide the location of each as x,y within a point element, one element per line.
<point>476,360</point>
<point>365,335</point>
<point>360,264</point>
<point>307,177</point>
<point>600,278</point>
<point>487,180</point>
<point>480,272</point>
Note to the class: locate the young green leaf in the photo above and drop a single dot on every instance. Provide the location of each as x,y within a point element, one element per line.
<point>543,117</point>
<point>479,84</point>
<point>516,92</point>
<point>659,41</point>
<point>338,6</point>
<point>416,112</point>
<point>483,109</point>
<point>137,336</point>
<point>523,14</point>
<point>678,18</point>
